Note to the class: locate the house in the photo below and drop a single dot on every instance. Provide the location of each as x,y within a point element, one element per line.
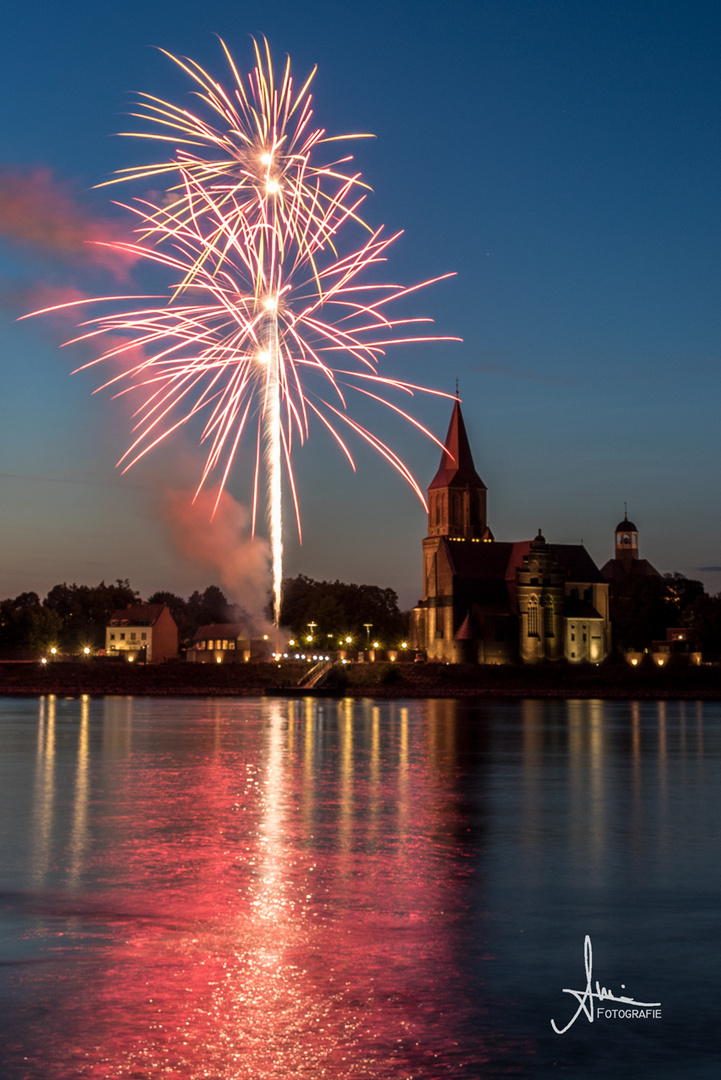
<point>226,643</point>
<point>491,602</point>
<point>143,632</point>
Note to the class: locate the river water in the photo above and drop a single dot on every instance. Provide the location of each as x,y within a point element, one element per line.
<point>346,889</point>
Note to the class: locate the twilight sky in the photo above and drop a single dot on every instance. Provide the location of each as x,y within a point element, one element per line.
<point>563,158</point>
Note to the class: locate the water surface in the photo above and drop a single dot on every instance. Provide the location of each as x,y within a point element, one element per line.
<point>348,889</point>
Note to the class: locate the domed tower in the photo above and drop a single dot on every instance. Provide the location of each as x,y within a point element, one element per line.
<point>626,540</point>
<point>626,566</point>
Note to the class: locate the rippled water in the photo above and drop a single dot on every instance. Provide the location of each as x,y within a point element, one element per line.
<point>350,889</point>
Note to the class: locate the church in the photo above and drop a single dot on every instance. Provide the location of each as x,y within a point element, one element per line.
<point>491,602</point>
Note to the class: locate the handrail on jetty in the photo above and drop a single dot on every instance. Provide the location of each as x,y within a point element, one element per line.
<point>317,674</point>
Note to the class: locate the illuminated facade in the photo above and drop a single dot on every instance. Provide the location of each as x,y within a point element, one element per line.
<point>219,643</point>
<point>144,632</point>
<point>491,602</point>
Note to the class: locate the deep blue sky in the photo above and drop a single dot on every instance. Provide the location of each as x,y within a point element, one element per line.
<point>563,158</point>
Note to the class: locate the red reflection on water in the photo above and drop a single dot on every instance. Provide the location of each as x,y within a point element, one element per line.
<point>280,903</point>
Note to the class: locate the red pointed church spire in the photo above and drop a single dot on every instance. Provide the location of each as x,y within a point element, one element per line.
<point>457,495</point>
<point>456,466</point>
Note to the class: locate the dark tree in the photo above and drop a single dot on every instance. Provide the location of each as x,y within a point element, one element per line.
<point>643,608</point>
<point>639,613</point>
<point>338,610</point>
<point>703,617</point>
<point>210,606</point>
<point>85,611</point>
<point>26,624</point>
<point>681,592</point>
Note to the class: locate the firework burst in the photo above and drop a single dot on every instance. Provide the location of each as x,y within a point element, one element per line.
<point>262,305</point>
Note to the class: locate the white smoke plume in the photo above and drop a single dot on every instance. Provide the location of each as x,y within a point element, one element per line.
<point>223,544</point>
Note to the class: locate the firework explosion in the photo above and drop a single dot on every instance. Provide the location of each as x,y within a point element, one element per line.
<point>262,302</point>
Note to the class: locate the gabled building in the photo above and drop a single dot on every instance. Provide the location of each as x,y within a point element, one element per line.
<point>144,632</point>
<point>219,643</point>
<point>492,602</point>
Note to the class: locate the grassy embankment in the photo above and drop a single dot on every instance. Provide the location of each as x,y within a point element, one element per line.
<point>379,680</point>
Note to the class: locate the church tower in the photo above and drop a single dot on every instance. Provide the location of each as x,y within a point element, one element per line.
<point>456,512</point>
<point>626,540</point>
<point>457,495</point>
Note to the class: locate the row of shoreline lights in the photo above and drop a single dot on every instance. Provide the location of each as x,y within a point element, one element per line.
<point>54,653</point>
<point>344,641</point>
<point>299,656</point>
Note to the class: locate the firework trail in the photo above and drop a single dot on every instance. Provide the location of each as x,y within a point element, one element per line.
<point>262,304</point>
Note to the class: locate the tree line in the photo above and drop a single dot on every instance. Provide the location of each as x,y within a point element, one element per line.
<point>331,610</point>
<point>73,617</point>
<point>643,608</point>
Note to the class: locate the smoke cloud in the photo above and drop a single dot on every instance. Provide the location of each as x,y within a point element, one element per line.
<point>40,212</point>
<point>223,544</point>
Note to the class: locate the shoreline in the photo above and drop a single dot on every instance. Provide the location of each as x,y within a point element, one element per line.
<point>562,682</point>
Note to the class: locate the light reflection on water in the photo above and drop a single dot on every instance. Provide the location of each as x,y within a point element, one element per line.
<point>319,888</point>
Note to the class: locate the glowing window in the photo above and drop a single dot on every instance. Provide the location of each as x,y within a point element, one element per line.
<point>548,616</point>
<point>533,617</point>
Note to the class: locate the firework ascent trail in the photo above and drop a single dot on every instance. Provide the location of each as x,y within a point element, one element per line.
<point>262,303</point>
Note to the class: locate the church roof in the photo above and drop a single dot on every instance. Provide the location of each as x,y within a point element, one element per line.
<point>497,562</point>
<point>577,563</point>
<point>622,569</point>
<point>466,631</point>
<point>626,526</point>
<point>456,468</point>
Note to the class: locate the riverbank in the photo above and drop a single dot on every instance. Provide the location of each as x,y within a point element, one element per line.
<point>362,680</point>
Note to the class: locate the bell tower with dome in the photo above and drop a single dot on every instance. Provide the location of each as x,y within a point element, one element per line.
<point>626,539</point>
<point>626,565</point>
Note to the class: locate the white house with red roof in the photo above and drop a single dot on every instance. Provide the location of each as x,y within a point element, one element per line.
<point>142,632</point>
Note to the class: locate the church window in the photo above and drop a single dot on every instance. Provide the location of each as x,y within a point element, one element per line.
<point>548,616</point>
<point>533,617</point>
